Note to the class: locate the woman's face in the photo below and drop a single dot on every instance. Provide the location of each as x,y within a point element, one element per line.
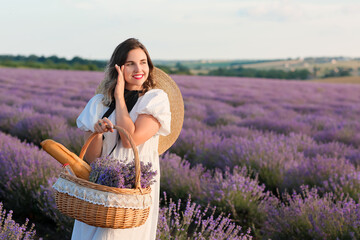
<point>136,69</point>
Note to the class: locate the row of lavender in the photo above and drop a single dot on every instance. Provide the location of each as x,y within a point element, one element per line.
<point>283,135</point>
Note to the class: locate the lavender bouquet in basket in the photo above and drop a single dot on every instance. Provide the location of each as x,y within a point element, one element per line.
<point>120,174</point>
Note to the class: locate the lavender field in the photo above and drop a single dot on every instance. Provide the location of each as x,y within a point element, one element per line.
<point>261,159</point>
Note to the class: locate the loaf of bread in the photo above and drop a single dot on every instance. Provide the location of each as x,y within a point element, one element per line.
<point>63,155</point>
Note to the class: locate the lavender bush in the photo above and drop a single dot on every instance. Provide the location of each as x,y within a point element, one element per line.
<point>26,180</point>
<point>232,192</point>
<point>38,127</point>
<point>335,175</point>
<point>178,179</point>
<point>10,230</point>
<point>10,116</point>
<point>239,194</point>
<point>306,215</point>
<point>195,223</point>
<point>119,173</point>
<point>72,138</point>
<point>281,161</point>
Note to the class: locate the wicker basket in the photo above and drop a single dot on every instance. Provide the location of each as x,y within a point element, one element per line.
<point>101,215</point>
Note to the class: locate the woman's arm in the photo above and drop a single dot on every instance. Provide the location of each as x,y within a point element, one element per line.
<point>95,148</point>
<point>145,127</point>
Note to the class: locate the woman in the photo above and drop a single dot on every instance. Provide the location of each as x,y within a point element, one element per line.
<point>139,108</point>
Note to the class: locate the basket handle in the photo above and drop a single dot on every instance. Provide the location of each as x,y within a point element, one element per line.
<point>132,144</point>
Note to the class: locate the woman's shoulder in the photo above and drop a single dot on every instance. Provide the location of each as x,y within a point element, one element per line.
<point>156,103</point>
<point>91,113</point>
<point>155,92</point>
<point>98,97</point>
<point>95,103</point>
<point>153,100</point>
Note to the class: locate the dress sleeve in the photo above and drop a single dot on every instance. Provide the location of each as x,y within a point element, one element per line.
<point>156,103</point>
<point>91,113</point>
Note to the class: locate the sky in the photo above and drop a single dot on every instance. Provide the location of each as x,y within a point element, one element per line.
<point>182,29</point>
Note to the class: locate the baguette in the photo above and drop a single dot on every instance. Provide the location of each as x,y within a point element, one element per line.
<point>63,155</point>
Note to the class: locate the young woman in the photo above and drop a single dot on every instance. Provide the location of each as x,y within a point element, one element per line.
<point>140,109</point>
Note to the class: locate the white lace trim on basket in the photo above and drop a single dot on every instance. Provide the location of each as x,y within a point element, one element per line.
<point>106,199</point>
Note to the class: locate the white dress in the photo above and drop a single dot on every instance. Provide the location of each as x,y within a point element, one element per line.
<point>155,102</point>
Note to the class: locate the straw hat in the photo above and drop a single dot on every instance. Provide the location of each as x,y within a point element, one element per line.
<point>166,83</point>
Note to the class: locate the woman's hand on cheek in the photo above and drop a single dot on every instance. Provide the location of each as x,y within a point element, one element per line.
<point>120,84</point>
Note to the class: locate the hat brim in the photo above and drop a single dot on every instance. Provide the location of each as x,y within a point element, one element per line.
<point>168,85</point>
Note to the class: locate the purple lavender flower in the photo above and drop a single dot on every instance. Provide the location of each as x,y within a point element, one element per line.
<point>232,192</point>
<point>38,127</point>
<point>26,178</point>
<point>10,230</point>
<point>120,174</point>
<point>307,215</point>
<point>195,223</point>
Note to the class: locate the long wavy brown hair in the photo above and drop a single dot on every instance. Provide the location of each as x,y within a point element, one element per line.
<point>119,56</point>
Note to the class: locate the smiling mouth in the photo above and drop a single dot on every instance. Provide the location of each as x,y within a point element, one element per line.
<point>138,76</point>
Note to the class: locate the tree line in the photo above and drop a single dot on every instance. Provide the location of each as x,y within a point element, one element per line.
<point>242,72</point>
<point>52,62</point>
<point>78,63</point>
